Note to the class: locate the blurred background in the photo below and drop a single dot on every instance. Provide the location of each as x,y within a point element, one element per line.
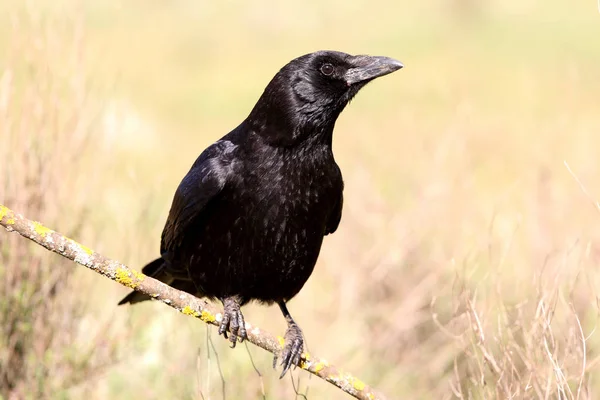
<point>466,263</point>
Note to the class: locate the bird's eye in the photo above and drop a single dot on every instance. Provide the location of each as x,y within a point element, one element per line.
<point>327,69</point>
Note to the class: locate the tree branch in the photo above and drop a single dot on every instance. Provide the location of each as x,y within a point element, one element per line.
<point>181,301</point>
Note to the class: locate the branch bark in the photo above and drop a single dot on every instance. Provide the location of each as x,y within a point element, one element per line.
<point>181,301</point>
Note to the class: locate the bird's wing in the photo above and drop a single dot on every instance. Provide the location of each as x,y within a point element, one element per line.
<point>203,183</point>
<point>335,217</point>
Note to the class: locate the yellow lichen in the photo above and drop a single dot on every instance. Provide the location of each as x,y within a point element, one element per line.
<point>305,360</point>
<point>207,316</point>
<point>4,211</point>
<point>41,229</point>
<point>358,384</point>
<point>371,396</point>
<point>281,340</point>
<point>187,310</point>
<point>337,378</point>
<point>140,277</point>
<point>86,249</point>
<point>319,367</point>
<point>124,277</point>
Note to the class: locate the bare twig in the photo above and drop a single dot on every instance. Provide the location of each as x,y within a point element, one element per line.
<point>181,301</point>
<point>260,377</point>
<point>581,185</point>
<point>584,351</point>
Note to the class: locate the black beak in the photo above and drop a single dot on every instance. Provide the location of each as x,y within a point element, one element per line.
<point>367,68</point>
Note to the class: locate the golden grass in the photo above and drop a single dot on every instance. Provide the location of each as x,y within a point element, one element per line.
<point>466,261</point>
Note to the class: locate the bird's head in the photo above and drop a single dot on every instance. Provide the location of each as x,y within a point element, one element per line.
<point>307,95</point>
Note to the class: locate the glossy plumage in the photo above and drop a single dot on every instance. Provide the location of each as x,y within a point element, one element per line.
<point>248,220</point>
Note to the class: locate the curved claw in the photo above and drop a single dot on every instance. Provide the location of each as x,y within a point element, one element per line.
<point>224,325</point>
<point>292,350</point>
<point>233,320</point>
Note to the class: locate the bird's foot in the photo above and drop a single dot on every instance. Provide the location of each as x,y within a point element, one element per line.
<point>233,320</point>
<point>292,349</point>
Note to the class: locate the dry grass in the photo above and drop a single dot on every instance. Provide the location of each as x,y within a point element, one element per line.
<point>466,261</point>
<point>47,126</point>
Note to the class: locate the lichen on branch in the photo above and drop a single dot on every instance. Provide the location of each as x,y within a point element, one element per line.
<point>181,301</point>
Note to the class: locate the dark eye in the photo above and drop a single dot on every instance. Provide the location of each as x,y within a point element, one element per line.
<point>327,69</point>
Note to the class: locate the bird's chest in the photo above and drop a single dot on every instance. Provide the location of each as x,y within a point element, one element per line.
<point>287,201</point>
<point>294,193</point>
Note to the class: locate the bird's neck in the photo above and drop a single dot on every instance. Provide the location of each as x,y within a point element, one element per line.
<point>280,130</point>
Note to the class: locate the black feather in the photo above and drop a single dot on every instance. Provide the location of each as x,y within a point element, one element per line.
<point>248,220</point>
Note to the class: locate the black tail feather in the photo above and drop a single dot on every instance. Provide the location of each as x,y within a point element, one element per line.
<point>153,268</point>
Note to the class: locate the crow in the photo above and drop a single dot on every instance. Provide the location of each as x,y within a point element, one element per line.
<point>248,220</point>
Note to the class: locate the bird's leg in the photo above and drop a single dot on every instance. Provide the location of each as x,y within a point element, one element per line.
<point>294,342</point>
<point>233,320</point>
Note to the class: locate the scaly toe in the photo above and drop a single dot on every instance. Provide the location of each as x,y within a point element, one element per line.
<point>233,321</point>
<point>292,351</point>
<point>234,327</point>
<point>243,335</point>
<point>224,325</point>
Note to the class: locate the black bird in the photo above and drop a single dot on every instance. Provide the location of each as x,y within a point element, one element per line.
<point>248,220</point>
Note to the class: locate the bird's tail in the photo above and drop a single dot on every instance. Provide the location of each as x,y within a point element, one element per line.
<point>155,269</point>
